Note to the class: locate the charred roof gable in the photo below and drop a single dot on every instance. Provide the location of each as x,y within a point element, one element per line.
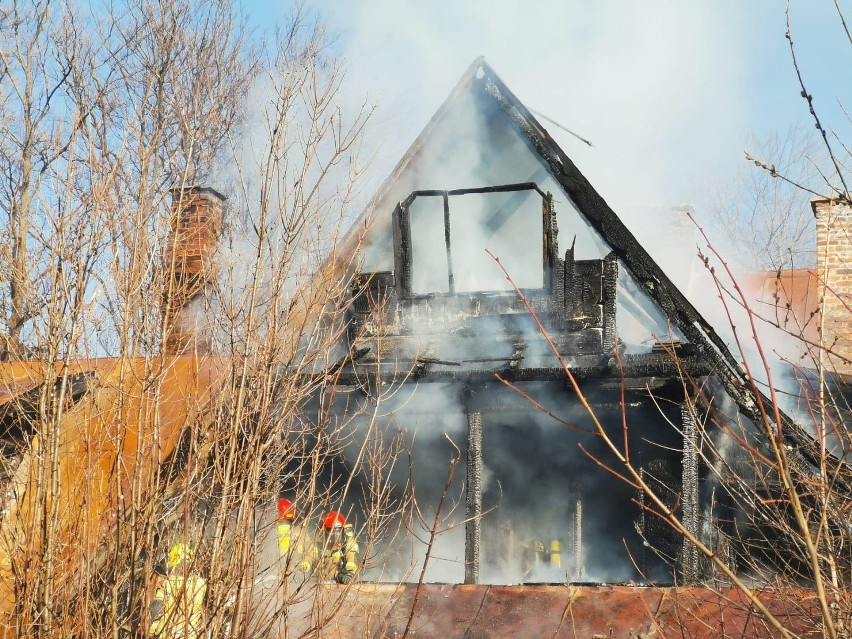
<point>489,88</point>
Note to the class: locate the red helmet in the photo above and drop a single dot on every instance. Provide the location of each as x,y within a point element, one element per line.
<point>286,509</point>
<point>333,520</point>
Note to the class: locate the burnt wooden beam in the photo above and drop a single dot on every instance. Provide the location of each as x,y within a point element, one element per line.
<point>550,246</point>
<point>690,494</point>
<point>402,255</point>
<point>473,498</point>
<point>570,284</point>
<point>451,281</point>
<point>497,188</point>
<point>609,294</point>
<point>578,563</point>
<point>636,371</point>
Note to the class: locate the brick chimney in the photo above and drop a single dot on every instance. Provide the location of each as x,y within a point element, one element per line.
<point>195,227</point>
<point>834,273</point>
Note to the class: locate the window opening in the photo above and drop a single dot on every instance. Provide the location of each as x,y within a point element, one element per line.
<point>462,234</point>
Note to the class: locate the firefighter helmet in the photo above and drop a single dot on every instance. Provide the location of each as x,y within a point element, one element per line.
<point>178,554</point>
<point>333,520</point>
<point>286,509</point>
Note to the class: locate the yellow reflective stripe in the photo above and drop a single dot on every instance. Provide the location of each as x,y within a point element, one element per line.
<point>284,537</point>
<point>555,553</point>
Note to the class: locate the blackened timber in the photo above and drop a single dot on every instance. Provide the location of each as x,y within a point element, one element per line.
<point>402,250</point>
<point>400,372</point>
<point>557,288</point>
<point>451,283</point>
<point>460,348</point>
<point>609,292</point>
<point>435,360</point>
<point>587,296</point>
<point>500,188</point>
<point>477,360</point>
<point>578,562</point>
<point>550,249</point>
<point>690,500</point>
<point>571,284</point>
<point>473,498</point>
<point>374,293</point>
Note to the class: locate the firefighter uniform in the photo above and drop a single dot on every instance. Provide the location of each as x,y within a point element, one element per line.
<point>177,608</point>
<point>294,546</point>
<point>336,551</point>
<point>540,558</point>
<point>293,543</point>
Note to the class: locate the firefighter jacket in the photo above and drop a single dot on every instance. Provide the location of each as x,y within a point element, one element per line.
<point>177,607</point>
<point>336,553</point>
<point>294,547</point>
<point>540,556</point>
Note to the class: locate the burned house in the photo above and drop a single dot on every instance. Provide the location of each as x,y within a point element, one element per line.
<point>490,266</point>
<point>498,309</point>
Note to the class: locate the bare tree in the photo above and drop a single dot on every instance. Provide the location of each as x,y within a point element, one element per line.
<point>38,53</point>
<point>766,222</point>
<point>774,520</point>
<point>107,109</point>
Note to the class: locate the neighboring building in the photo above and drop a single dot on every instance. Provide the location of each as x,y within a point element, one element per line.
<point>813,306</point>
<point>788,299</point>
<point>834,280</point>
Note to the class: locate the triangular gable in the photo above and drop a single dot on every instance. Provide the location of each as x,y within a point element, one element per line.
<point>605,229</point>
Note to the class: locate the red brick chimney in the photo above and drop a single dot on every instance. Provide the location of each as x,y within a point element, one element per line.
<point>834,272</point>
<point>196,224</point>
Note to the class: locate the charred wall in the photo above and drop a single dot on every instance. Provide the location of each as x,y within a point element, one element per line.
<point>549,511</point>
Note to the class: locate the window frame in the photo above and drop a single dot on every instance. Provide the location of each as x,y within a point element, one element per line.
<point>403,248</point>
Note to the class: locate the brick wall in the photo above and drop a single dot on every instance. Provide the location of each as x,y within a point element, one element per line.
<point>190,259</point>
<point>834,271</point>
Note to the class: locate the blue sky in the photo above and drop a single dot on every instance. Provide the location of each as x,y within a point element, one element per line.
<point>671,93</point>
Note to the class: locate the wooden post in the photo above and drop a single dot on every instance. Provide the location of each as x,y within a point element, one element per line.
<point>473,500</point>
<point>689,562</point>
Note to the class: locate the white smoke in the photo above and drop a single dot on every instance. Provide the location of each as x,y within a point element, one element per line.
<point>657,89</point>
<point>660,91</point>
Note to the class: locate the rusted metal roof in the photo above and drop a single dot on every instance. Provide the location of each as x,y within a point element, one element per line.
<point>21,376</point>
<point>10,390</point>
<point>151,418</point>
<point>562,611</point>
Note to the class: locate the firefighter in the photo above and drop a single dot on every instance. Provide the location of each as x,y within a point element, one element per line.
<point>337,550</point>
<point>292,541</point>
<point>176,610</point>
<point>541,559</point>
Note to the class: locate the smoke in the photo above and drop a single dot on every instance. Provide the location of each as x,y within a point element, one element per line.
<point>536,478</point>
<point>669,94</point>
<point>642,83</point>
<point>471,226</point>
<point>289,176</point>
